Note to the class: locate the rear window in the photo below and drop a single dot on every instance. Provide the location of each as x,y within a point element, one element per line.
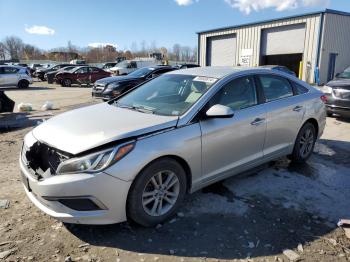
<point>275,87</point>
<point>299,89</point>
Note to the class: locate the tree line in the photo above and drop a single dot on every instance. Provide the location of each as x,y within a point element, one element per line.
<point>14,48</point>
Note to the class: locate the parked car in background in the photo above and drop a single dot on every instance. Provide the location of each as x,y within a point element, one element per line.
<point>279,68</point>
<point>14,76</point>
<point>77,62</point>
<point>138,155</point>
<point>184,66</point>
<point>40,72</point>
<point>338,95</point>
<point>33,67</point>
<point>127,66</point>
<point>82,75</point>
<point>109,65</point>
<point>50,76</point>
<point>110,87</point>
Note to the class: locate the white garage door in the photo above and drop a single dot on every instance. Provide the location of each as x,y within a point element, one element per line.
<point>283,40</point>
<point>221,50</point>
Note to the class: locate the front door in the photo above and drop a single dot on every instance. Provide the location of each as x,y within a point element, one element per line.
<point>230,144</point>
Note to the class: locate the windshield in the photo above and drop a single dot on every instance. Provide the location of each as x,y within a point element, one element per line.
<point>169,95</point>
<point>344,75</point>
<point>141,72</point>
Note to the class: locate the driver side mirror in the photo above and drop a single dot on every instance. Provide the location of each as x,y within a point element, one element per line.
<point>219,111</point>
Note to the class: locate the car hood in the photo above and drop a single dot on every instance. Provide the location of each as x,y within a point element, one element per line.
<point>339,82</point>
<point>112,79</point>
<point>83,129</point>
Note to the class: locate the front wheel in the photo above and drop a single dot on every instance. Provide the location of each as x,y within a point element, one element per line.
<point>304,144</point>
<point>157,192</point>
<point>66,82</point>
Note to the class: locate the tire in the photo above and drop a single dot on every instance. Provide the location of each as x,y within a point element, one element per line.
<point>144,196</point>
<point>307,136</point>
<point>66,82</point>
<point>23,84</point>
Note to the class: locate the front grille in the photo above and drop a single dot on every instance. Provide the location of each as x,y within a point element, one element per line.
<point>342,94</point>
<point>99,87</point>
<point>42,159</point>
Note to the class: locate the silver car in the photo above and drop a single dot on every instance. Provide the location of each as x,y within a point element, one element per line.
<point>14,76</point>
<point>138,156</point>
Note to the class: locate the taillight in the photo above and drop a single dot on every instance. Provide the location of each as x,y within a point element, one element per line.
<point>324,98</point>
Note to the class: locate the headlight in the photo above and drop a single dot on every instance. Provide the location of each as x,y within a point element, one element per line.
<point>95,162</point>
<point>111,86</point>
<point>327,90</point>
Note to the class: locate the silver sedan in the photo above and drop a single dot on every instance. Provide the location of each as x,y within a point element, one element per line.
<point>137,156</point>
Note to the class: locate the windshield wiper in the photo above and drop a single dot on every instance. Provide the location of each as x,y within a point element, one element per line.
<point>136,108</point>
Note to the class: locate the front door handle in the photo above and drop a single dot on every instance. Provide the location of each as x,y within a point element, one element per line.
<point>257,121</point>
<point>297,108</point>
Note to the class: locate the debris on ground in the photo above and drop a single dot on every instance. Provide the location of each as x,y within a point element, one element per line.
<point>48,105</point>
<point>4,203</point>
<point>300,248</point>
<point>345,224</point>
<point>25,107</point>
<point>6,253</point>
<point>291,255</point>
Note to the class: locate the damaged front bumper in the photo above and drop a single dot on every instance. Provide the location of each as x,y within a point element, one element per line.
<point>78,198</point>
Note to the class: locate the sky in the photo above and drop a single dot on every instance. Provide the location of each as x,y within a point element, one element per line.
<point>50,24</point>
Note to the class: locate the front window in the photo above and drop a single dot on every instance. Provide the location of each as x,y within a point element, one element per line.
<point>142,72</point>
<point>169,95</point>
<point>83,70</point>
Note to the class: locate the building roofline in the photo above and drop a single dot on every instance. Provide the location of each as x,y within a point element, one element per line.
<point>329,11</point>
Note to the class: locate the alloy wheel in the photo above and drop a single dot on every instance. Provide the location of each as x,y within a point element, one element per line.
<point>160,193</point>
<point>306,143</point>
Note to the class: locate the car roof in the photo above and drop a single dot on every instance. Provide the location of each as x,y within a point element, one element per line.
<point>215,71</point>
<point>14,66</point>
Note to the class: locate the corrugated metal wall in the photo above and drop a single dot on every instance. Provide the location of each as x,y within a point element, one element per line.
<point>335,39</point>
<point>248,37</point>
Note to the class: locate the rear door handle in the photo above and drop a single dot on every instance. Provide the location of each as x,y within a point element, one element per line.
<point>257,121</point>
<point>297,108</point>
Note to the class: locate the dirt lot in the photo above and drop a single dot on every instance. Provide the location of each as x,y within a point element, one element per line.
<point>253,217</point>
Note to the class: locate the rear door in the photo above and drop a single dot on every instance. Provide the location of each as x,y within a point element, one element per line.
<point>10,76</point>
<point>95,74</point>
<point>233,144</point>
<point>285,112</point>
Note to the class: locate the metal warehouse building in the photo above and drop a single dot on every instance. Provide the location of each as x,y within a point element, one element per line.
<point>316,45</point>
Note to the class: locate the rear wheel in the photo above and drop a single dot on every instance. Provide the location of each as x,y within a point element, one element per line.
<point>66,82</point>
<point>157,192</point>
<point>304,144</point>
<point>23,84</point>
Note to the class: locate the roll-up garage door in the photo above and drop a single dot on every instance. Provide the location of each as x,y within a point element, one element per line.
<point>283,40</point>
<point>221,50</point>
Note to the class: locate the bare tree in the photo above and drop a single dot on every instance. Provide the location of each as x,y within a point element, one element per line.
<point>13,46</point>
<point>176,51</point>
<point>2,51</point>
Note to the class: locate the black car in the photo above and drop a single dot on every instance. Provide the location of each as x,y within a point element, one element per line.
<point>50,76</point>
<point>184,66</point>
<point>40,72</point>
<point>110,87</point>
<point>338,95</point>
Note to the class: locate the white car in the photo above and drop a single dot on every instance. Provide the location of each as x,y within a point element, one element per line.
<point>14,76</point>
<point>127,66</point>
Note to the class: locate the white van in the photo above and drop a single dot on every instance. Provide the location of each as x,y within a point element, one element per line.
<point>127,66</point>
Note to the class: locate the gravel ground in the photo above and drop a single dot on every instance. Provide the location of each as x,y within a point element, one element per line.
<point>252,217</point>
